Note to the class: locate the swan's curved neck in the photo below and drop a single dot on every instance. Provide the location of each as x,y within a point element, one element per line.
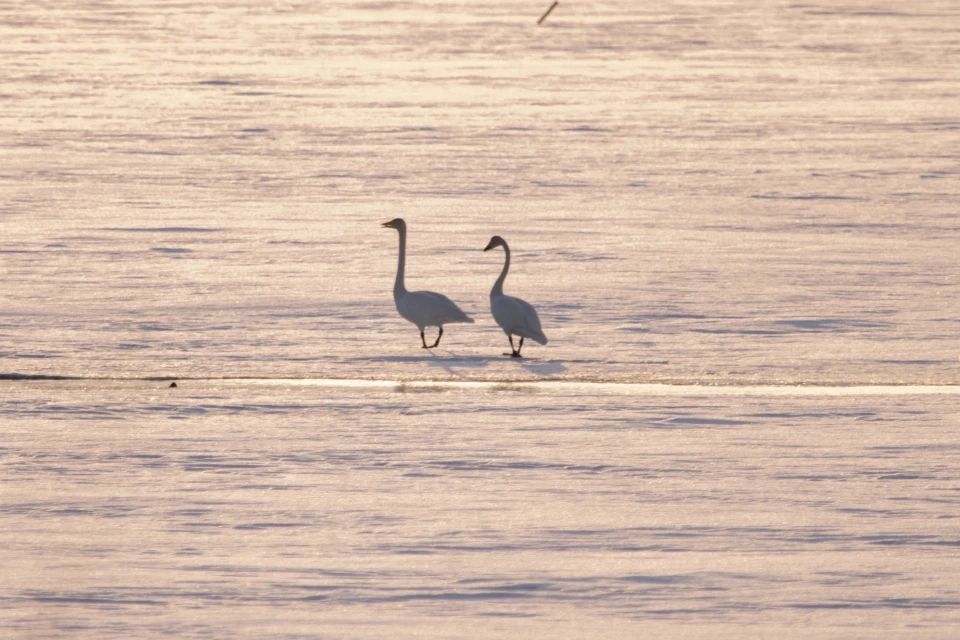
<point>398,287</point>
<point>498,285</point>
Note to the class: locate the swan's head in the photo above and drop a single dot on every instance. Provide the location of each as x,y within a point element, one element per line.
<point>396,223</point>
<point>496,241</point>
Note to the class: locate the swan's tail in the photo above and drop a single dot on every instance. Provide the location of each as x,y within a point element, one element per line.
<point>540,338</point>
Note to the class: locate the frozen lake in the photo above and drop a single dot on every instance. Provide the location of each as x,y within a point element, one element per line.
<point>739,224</point>
<point>302,509</point>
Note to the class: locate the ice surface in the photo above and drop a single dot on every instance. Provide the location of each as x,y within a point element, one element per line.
<point>738,223</point>
<point>268,509</point>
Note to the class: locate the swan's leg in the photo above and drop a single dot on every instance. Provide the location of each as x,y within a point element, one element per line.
<point>438,339</point>
<point>516,351</point>
<point>423,340</point>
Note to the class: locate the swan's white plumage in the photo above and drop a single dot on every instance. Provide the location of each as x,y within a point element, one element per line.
<point>515,316</point>
<point>422,308</point>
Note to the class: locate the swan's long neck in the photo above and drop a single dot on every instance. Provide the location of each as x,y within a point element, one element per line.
<point>498,285</point>
<point>398,287</point>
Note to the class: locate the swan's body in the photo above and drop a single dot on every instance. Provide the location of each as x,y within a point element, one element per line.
<point>515,316</point>
<point>422,308</point>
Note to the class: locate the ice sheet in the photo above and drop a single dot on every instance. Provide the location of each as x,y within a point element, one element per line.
<point>289,510</point>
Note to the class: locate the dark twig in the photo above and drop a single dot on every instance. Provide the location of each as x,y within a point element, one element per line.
<point>544,16</point>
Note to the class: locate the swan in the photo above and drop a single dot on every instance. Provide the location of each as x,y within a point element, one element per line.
<point>422,308</point>
<point>515,316</point>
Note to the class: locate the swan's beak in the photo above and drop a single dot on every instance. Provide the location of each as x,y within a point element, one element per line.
<point>489,246</point>
<point>387,224</point>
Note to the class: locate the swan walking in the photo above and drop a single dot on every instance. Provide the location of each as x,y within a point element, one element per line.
<point>515,316</point>
<point>422,308</point>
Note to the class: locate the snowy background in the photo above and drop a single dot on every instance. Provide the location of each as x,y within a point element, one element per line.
<point>756,203</point>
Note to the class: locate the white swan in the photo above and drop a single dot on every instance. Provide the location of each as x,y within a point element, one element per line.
<point>515,316</point>
<point>422,308</point>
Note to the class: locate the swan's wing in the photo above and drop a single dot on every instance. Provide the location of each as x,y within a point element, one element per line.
<point>448,306</point>
<point>530,315</point>
<point>436,298</point>
<point>518,317</point>
<point>532,322</point>
<point>428,308</point>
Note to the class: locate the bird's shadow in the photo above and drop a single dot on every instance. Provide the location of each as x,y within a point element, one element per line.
<point>451,362</point>
<point>543,368</point>
<point>457,365</point>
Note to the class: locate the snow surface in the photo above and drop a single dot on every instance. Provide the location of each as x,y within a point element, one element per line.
<point>738,222</point>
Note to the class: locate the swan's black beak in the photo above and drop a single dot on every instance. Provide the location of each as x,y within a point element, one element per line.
<point>489,246</point>
<point>387,224</point>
